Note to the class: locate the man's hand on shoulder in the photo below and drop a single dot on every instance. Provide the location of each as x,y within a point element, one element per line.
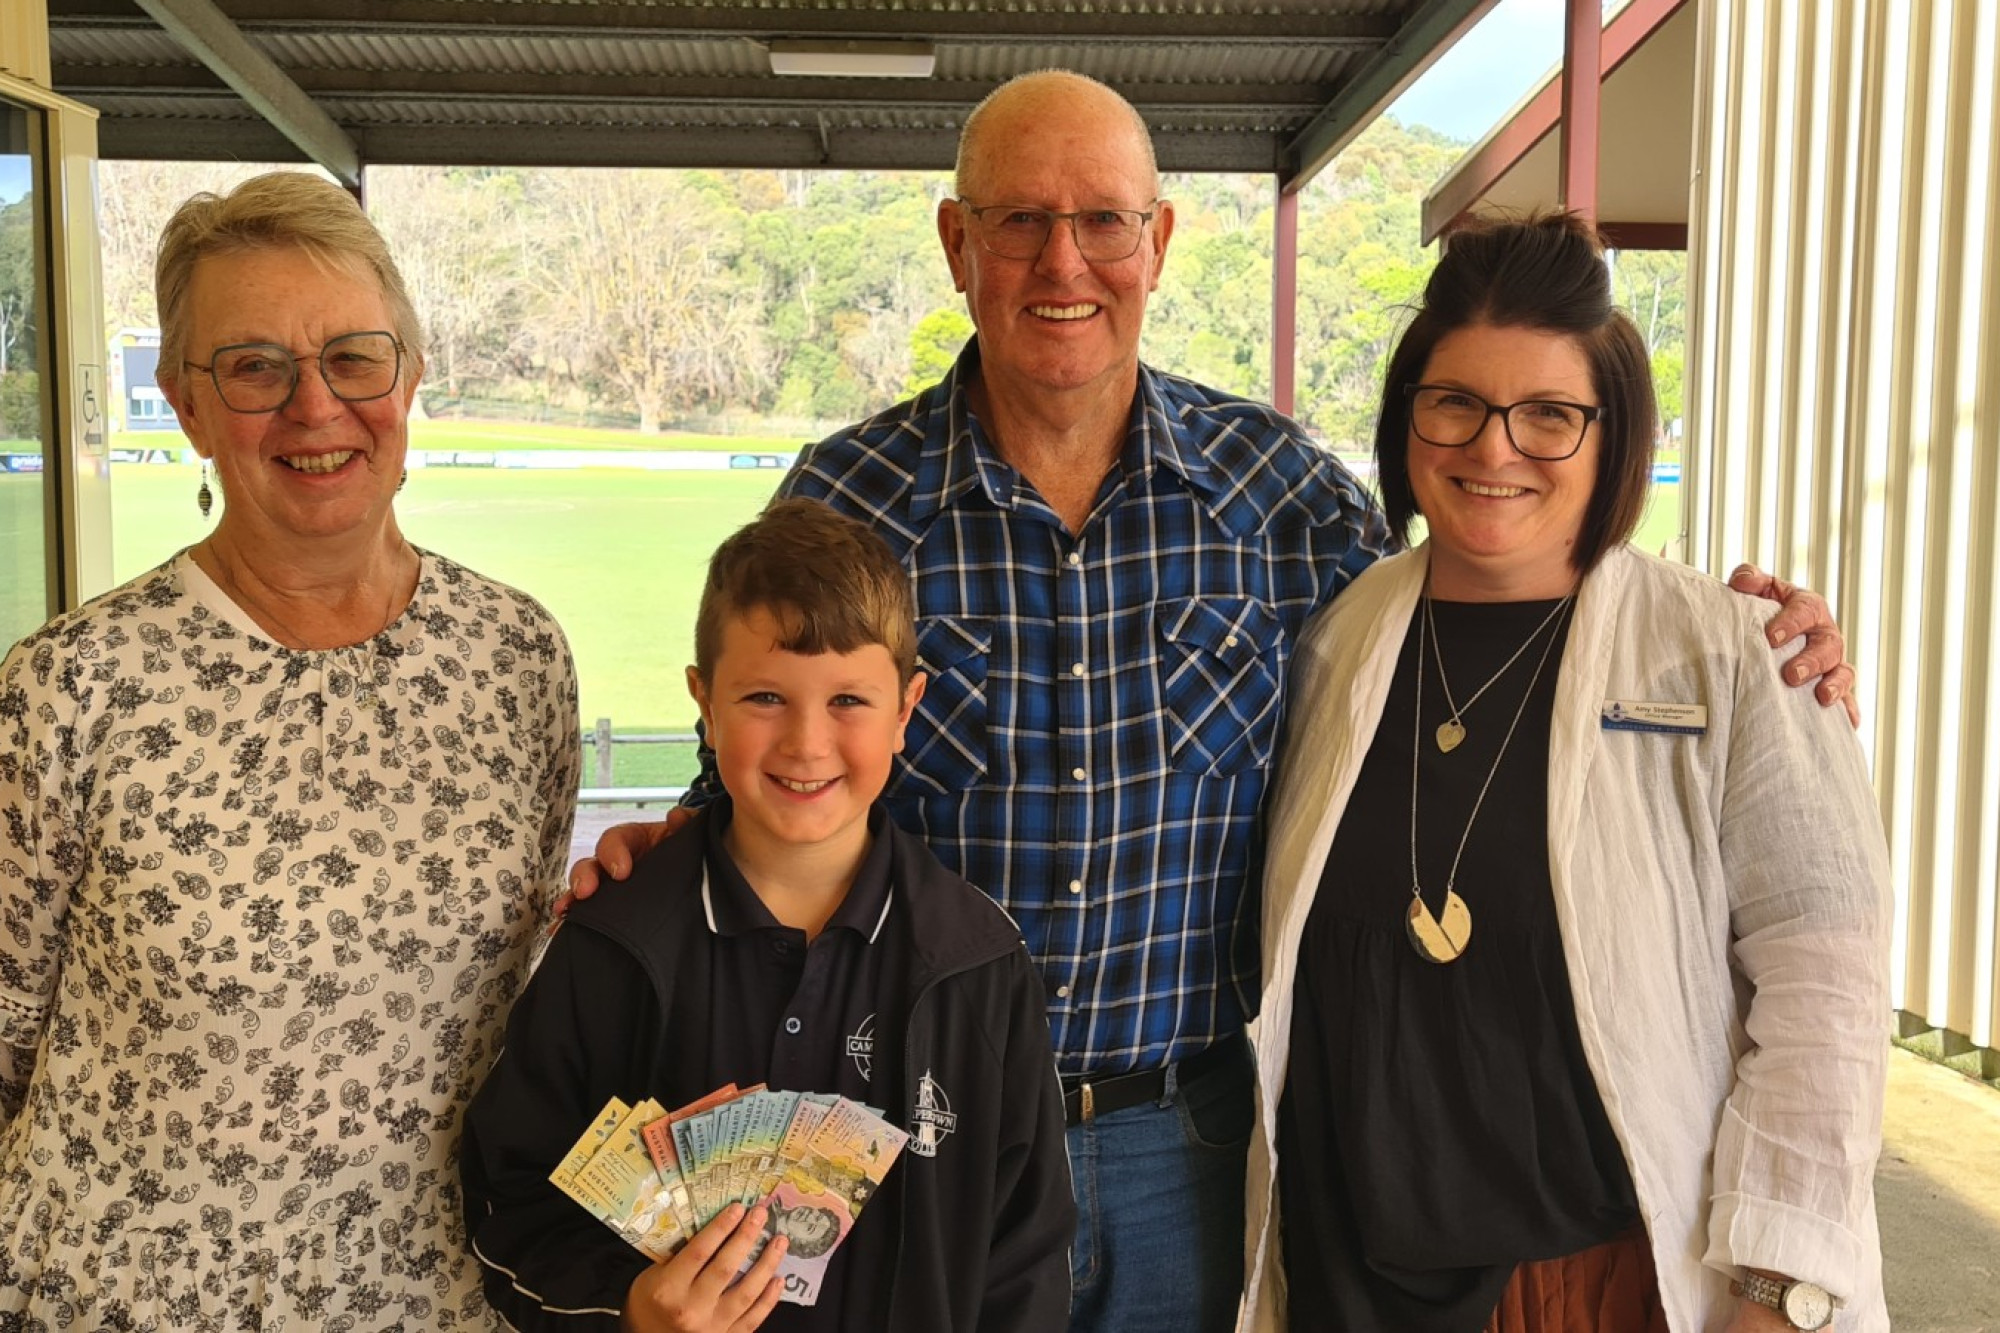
<point>1804,612</point>
<point>617,852</point>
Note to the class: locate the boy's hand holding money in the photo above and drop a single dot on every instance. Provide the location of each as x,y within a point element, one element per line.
<point>697,1291</point>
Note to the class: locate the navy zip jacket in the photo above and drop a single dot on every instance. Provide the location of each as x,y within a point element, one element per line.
<point>976,1236</point>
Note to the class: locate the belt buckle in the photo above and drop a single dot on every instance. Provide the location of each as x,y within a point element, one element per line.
<point>1087,1099</point>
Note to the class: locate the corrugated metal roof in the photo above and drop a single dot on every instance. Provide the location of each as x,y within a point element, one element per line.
<point>518,54</point>
<point>1246,85</point>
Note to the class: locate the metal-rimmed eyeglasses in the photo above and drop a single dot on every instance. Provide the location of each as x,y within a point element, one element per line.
<point>1017,231</point>
<point>262,377</point>
<point>1546,429</point>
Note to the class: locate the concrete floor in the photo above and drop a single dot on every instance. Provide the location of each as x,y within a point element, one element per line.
<point>1937,1192</point>
<point>1937,1189</point>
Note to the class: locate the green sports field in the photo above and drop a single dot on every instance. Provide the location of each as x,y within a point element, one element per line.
<point>616,553</point>
<point>506,435</point>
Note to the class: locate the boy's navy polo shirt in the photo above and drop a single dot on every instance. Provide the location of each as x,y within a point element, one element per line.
<point>801,1018</point>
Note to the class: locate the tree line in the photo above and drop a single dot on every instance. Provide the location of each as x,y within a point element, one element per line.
<point>20,385</point>
<point>669,297</point>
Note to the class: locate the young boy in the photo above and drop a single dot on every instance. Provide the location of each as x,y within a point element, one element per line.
<point>791,935</point>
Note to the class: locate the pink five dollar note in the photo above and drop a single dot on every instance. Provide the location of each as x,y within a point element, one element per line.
<point>815,1223</point>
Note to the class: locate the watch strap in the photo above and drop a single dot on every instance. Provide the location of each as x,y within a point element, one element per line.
<point>1763,1290</point>
<point>1774,1294</point>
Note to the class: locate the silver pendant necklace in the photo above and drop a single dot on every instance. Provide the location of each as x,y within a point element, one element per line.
<point>1442,938</point>
<point>368,680</point>
<point>1451,731</point>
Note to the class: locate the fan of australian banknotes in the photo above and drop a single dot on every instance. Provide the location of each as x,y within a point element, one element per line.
<point>657,1176</point>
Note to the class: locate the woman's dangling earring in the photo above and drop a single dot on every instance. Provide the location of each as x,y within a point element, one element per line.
<point>204,499</point>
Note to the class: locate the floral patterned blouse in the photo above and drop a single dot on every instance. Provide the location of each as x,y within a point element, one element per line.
<point>262,914</point>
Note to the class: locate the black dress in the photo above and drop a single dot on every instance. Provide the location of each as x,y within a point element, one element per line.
<point>1439,1124</point>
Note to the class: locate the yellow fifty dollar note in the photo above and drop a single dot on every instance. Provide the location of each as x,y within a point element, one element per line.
<point>567,1171</point>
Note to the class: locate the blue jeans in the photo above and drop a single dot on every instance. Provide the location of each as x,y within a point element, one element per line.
<point>1159,1201</point>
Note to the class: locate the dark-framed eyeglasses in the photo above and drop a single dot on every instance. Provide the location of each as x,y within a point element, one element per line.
<point>1546,429</point>
<point>1016,231</point>
<point>262,377</point>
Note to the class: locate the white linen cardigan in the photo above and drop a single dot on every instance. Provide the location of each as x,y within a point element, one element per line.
<point>1724,907</point>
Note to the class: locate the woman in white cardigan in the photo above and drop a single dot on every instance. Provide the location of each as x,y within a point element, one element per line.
<point>1575,917</point>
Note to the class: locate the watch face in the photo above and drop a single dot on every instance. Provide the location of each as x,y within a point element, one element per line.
<point>1808,1306</point>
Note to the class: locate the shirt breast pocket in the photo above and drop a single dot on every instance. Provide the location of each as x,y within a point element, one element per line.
<point>1221,660</point>
<point>945,748</point>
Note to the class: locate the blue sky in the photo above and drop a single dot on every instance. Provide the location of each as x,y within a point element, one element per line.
<point>1476,82</point>
<point>14,180</point>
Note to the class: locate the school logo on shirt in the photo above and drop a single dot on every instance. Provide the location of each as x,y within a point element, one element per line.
<point>931,1117</point>
<point>861,1046</point>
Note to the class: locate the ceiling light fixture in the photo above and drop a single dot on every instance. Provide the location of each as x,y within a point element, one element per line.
<point>854,60</point>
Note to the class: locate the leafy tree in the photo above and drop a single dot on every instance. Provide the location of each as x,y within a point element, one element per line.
<point>1651,285</point>
<point>851,266</point>
<point>135,199</point>
<point>17,286</point>
<point>822,294</point>
<point>1211,318</point>
<point>810,367</point>
<point>20,405</point>
<point>460,241</point>
<point>1361,264</point>
<point>1669,379</point>
<point>642,295</point>
<point>934,345</point>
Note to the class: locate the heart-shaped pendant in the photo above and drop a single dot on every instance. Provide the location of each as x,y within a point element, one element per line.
<point>1450,732</point>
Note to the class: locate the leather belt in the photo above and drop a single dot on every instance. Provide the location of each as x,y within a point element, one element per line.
<point>1085,1098</point>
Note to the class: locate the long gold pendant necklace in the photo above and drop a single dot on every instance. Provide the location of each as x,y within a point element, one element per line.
<point>1443,938</point>
<point>1451,731</point>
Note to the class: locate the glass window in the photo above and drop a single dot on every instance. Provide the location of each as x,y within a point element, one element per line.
<point>24,413</point>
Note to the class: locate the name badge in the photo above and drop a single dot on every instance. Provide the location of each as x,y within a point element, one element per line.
<point>1667,719</point>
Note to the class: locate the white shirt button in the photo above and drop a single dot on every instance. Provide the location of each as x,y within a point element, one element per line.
<point>792,1025</point>
<point>1076,886</point>
<point>1076,668</point>
<point>1078,774</point>
<point>1062,992</point>
<point>1075,559</point>
<point>1229,642</point>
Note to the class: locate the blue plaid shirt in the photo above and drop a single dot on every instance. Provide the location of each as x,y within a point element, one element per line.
<point>1094,743</point>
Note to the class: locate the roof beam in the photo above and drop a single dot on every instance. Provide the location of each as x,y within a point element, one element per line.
<point>765,146</point>
<point>1643,235</point>
<point>1510,141</point>
<point>481,19</point>
<point>329,85</point>
<point>208,35</point>
<point>1428,34</point>
<point>177,139</point>
<point>1582,82</point>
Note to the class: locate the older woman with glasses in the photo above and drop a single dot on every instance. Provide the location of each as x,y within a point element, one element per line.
<point>279,822</point>
<point>1576,918</point>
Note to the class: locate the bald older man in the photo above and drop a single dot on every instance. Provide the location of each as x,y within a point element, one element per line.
<point>1110,565</point>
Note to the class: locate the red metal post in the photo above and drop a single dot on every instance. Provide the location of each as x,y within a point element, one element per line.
<point>1582,81</point>
<point>1284,299</point>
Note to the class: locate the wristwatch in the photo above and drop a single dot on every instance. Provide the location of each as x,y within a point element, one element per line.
<point>1804,1305</point>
